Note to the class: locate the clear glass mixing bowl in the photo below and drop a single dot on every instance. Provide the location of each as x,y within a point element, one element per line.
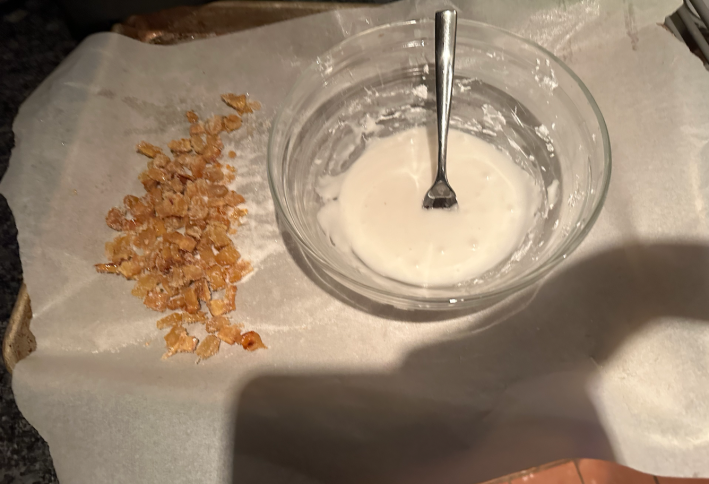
<point>507,91</point>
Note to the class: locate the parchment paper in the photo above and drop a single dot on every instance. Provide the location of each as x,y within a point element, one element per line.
<point>607,358</point>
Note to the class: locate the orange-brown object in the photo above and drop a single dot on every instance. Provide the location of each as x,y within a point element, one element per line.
<point>170,320</point>
<point>182,145</point>
<point>216,323</point>
<point>109,268</point>
<point>237,102</point>
<point>231,123</point>
<point>174,240</point>
<point>230,334</point>
<point>198,317</point>
<point>192,117</point>
<point>145,148</point>
<point>251,341</point>
<point>214,125</point>
<point>208,347</point>
<point>178,341</point>
<point>561,474</point>
<point>600,472</point>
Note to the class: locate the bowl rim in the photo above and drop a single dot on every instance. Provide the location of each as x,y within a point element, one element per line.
<point>561,253</point>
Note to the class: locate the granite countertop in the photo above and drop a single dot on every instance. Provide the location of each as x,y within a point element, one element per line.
<point>34,41</point>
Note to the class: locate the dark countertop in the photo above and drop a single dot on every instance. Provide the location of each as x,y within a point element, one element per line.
<point>33,39</point>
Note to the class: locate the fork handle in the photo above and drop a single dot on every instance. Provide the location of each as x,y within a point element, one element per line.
<point>446,24</point>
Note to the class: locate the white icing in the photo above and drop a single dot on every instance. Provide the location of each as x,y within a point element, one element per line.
<point>375,210</point>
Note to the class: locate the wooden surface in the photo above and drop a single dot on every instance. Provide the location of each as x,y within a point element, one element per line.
<point>19,340</point>
<point>183,24</point>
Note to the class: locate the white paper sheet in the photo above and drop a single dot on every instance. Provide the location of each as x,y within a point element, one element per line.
<point>608,358</point>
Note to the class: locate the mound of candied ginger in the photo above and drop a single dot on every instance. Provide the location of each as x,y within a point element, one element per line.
<point>175,242</point>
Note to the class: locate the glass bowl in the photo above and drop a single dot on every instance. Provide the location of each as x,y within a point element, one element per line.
<point>507,91</point>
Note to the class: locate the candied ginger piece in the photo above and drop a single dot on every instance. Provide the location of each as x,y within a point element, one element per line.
<point>218,236</point>
<point>145,148</point>
<point>109,268</point>
<point>193,272</point>
<point>208,347</point>
<point>193,231</point>
<point>159,226</point>
<point>145,284</point>
<point>119,249</point>
<point>129,201</point>
<point>211,152</point>
<point>197,128</point>
<point>230,297</point>
<point>156,300</point>
<point>203,292</point>
<point>251,341</point>
<point>176,185</point>
<point>198,209</point>
<point>171,320</point>
<point>178,341</point>
<point>216,323</point>
<point>191,301</point>
<point>207,255</point>
<point>237,102</point>
<point>174,222</point>
<point>146,238</point>
<point>140,211</point>
<point>115,219</point>
<point>232,199</point>
<point>198,317</point>
<point>158,174</point>
<point>227,256</point>
<point>130,268</point>
<point>198,144</point>
<point>184,242</point>
<point>217,307</point>
<point>176,302</point>
<point>218,216</point>
<point>216,278</point>
<point>192,117</point>
<point>181,145</point>
<point>216,191</point>
<point>213,174</point>
<point>238,213</point>
<point>176,280</point>
<point>214,125</point>
<point>231,123</point>
<point>230,334</point>
<point>174,205</point>
<point>160,161</point>
<point>215,140</point>
<point>216,203</point>
<point>237,271</point>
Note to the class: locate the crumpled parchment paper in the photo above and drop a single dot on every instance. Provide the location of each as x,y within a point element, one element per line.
<point>607,358</point>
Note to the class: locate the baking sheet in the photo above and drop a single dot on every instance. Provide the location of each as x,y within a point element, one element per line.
<point>607,358</point>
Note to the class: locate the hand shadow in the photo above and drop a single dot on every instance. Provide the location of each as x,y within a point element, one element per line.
<point>481,404</point>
